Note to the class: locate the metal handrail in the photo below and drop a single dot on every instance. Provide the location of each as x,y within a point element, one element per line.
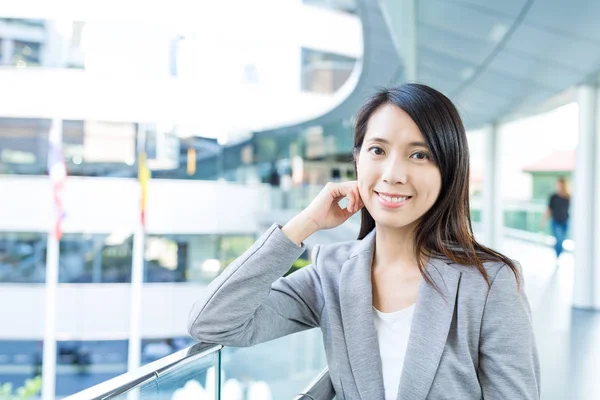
<point>320,388</point>
<point>129,380</point>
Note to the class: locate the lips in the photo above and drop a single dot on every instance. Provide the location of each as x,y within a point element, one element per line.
<point>389,200</point>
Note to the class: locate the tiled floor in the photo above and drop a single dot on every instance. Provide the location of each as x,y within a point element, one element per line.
<point>568,339</point>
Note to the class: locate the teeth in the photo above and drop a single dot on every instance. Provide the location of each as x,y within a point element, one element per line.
<point>394,199</point>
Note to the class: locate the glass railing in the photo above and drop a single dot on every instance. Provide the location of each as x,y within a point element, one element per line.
<point>522,220</point>
<point>292,367</point>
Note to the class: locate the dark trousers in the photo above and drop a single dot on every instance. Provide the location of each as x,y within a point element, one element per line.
<point>559,231</point>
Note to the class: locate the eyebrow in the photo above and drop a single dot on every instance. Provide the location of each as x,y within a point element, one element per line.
<point>382,140</point>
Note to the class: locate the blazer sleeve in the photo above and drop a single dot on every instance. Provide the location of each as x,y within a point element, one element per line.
<point>508,359</point>
<point>250,302</point>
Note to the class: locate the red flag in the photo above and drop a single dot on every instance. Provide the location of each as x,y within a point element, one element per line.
<point>57,171</point>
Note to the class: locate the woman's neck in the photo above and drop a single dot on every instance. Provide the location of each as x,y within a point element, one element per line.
<point>395,248</point>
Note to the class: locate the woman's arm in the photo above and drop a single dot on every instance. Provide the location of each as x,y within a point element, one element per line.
<point>250,302</point>
<point>508,358</point>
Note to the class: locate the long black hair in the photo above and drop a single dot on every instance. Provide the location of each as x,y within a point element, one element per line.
<point>445,230</point>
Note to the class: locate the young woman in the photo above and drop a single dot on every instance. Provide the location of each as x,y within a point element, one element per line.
<point>415,308</point>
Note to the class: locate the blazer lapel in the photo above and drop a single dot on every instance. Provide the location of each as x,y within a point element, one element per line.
<point>429,331</point>
<point>356,302</point>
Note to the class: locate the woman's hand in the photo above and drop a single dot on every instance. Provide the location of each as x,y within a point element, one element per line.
<point>324,212</point>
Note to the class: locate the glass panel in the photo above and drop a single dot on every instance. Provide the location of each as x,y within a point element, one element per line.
<point>191,379</point>
<point>20,360</point>
<point>24,145</point>
<point>22,257</point>
<point>87,258</point>
<point>279,369</point>
<point>83,364</point>
<point>26,53</point>
<point>476,141</point>
<point>146,390</point>
<point>155,349</point>
<point>96,148</point>
<point>193,258</point>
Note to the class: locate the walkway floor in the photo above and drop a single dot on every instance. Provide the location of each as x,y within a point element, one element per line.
<point>568,339</point>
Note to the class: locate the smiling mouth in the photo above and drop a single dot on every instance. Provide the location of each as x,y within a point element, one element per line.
<point>393,198</point>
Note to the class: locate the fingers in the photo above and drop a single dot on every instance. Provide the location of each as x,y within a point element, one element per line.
<point>348,189</point>
<point>357,203</point>
<point>354,200</point>
<point>342,189</point>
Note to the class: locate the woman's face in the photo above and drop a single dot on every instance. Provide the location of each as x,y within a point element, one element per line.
<point>397,179</point>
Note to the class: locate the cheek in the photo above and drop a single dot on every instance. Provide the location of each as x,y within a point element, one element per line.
<point>431,183</point>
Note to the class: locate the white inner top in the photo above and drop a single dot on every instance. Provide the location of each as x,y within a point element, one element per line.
<point>393,330</point>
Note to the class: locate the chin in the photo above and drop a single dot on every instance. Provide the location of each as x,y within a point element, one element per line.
<point>388,222</point>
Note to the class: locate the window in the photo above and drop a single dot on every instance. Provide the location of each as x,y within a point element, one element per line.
<point>324,72</point>
<point>81,364</point>
<point>23,145</point>
<point>99,258</point>
<point>26,53</point>
<point>22,257</point>
<point>193,258</point>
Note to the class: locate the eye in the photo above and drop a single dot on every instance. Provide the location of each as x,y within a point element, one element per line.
<point>421,155</point>
<point>376,151</point>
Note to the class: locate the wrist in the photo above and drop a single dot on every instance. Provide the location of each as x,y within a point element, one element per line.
<point>299,228</point>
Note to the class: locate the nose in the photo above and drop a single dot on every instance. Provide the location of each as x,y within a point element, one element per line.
<point>395,170</point>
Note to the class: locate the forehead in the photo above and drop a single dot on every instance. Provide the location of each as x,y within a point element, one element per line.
<point>393,124</point>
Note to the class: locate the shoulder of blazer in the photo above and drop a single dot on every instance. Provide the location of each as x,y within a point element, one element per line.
<point>339,251</point>
<point>492,268</point>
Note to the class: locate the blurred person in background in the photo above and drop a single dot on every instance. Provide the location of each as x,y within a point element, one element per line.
<point>558,213</point>
<point>415,308</point>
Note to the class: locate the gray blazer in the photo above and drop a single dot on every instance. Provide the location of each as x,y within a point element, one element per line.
<point>466,344</point>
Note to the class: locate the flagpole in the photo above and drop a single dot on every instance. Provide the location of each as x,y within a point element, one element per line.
<point>57,174</point>
<point>137,267</point>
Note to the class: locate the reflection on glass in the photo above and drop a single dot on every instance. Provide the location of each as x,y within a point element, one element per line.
<point>24,145</point>
<point>192,379</point>
<point>193,258</point>
<point>22,257</point>
<point>155,349</point>
<point>87,258</point>
<point>96,148</point>
<point>82,364</point>
<point>23,46</point>
<point>146,390</point>
<point>20,360</point>
<point>279,369</point>
<point>26,53</point>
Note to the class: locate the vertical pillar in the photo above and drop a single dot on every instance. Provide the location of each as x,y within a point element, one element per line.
<point>492,218</point>
<point>596,202</point>
<point>134,354</point>
<point>49,353</point>
<point>586,214</point>
<point>57,173</point>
